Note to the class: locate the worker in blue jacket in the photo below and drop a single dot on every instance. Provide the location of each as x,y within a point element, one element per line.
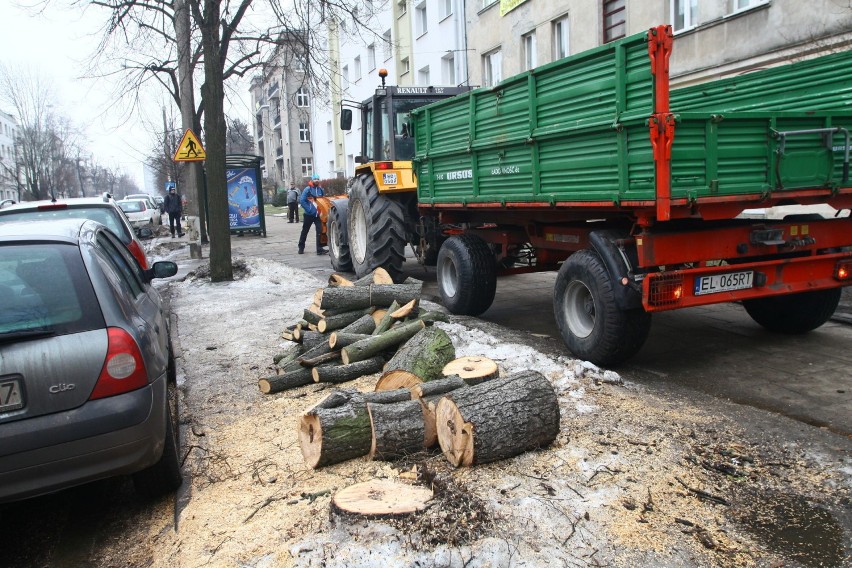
<point>311,217</point>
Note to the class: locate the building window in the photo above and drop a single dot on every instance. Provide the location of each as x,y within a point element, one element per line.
<point>614,19</point>
<point>344,76</point>
<point>356,69</point>
<point>423,76</point>
<point>386,41</point>
<point>307,167</point>
<point>683,14</point>
<point>560,38</point>
<point>404,65</point>
<point>448,69</point>
<point>401,8</point>
<point>743,4</point>
<point>487,3</point>
<point>445,8</point>
<point>491,68</point>
<point>304,132</point>
<point>371,57</point>
<point>302,98</point>
<point>528,50</point>
<point>420,24</point>
<point>329,131</point>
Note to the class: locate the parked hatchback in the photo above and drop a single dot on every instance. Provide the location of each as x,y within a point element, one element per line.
<point>140,213</point>
<point>86,362</point>
<point>101,209</point>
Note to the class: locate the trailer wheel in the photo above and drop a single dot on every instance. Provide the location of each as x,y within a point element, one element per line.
<point>376,230</point>
<point>467,275</point>
<point>338,237</point>
<point>590,322</point>
<point>794,313</point>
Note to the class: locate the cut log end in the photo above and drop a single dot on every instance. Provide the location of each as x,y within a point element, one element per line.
<point>381,276</point>
<point>473,370</point>
<point>378,315</point>
<point>382,497</point>
<point>397,379</point>
<point>264,386</point>
<point>310,439</point>
<point>454,434</point>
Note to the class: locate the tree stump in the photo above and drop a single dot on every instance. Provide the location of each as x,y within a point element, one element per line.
<point>397,430</point>
<point>375,344</point>
<point>497,419</point>
<point>381,497</point>
<point>473,370</point>
<point>421,359</point>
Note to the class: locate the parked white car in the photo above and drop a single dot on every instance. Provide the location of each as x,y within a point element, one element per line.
<point>145,197</point>
<point>141,213</point>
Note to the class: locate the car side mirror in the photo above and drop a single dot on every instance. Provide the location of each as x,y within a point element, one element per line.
<point>345,119</point>
<point>361,159</point>
<point>161,269</point>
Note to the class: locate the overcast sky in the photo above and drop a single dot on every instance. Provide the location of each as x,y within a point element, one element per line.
<point>57,44</point>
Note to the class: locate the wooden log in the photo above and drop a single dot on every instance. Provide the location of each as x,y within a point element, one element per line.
<point>338,280</point>
<point>381,497</point>
<point>319,349</point>
<point>405,310</point>
<point>397,430</point>
<point>421,359</point>
<point>339,339</point>
<point>379,295</point>
<point>436,387</point>
<point>290,380</point>
<point>379,315</point>
<point>339,321</point>
<point>329,357</point>
<point>375,344</point>
<point>310,339</point>
<point>311,317</point>
<point>292,351</point>
<point>337,397</point>
<point>387,319</point>
<point>378,276</point>
<point>350,372</point>
<point>365,324</point>
<point>497,419</point>
<point>432,317</point>
<point>332,435</point>
<point>473,369</point>
<point>316,299</point>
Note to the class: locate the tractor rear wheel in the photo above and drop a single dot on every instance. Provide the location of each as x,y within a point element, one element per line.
<point>467,275</point>
<point>794,313</point>
<point>338,236</point>
<point>591,324</point>
<point>376,230</point>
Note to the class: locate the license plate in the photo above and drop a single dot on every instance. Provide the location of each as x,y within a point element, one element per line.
<point>389,179</point>
<point>724,282</point>
<point>10,395</point>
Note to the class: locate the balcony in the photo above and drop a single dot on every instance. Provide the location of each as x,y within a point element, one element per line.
<point>273,91</point>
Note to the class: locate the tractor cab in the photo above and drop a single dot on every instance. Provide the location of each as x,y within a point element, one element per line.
<point>386,133</point>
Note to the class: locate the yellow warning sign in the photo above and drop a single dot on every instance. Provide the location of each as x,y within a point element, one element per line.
<point>190,149</point>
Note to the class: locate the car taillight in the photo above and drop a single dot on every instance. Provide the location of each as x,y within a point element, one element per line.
<point>123,369</point>
<point>843,270</point>
<point>666,290</point>
<point>384,165</point>
<point>138,254</point>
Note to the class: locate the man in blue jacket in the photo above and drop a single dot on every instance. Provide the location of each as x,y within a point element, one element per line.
<point>311,216</point>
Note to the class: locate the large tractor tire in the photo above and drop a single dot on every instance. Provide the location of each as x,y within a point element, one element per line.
<point>376,230</point>
<point>467,275</point>
<point>794,313</point>
<point>338,236</point>
<point>591,324</point>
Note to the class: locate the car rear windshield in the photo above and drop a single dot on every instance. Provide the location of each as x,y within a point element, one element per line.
<point>45,287</point>
<point>106,215</point>
<point>131,206</point>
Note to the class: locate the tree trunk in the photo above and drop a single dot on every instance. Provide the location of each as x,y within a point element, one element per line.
<point>289,380</point>
<point>420,359</point>
<point>338,339</point>
<point>360,297</point>
<point>332,435</point>
<point>365,324</point>
<point>329,323</point>
<point>387,319</point>
<point>375,344</point>
<point>497,419</point>
<point>397,430</point>
<point>473,370</point>
<point>381,498</point>
<point>350,372</point>
<point>429,394</point>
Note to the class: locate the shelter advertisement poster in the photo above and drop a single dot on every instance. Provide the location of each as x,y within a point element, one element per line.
<point>243,209</point>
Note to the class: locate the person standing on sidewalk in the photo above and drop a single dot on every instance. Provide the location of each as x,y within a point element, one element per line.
<point>311,216</point>
<point>292,203</point>
<point>173,205</point>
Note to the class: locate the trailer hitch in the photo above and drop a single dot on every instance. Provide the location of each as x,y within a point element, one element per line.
<point>827,134</point>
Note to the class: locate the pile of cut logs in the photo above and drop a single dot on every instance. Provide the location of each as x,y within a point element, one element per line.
<point>424,395</point>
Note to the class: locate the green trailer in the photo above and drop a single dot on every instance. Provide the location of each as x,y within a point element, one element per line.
<point>593,167</point>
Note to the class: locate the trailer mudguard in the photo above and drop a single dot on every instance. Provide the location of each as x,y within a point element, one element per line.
<point>619,262</point>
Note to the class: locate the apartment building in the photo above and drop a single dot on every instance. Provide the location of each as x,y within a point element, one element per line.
<point>8,185</point>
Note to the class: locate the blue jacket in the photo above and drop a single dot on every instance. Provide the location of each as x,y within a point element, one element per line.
<point>310,192</point>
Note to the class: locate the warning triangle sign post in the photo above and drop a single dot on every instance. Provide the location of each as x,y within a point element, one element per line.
<point>190,149</point>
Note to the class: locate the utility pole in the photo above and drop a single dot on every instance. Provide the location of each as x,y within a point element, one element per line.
<point>194,190</point>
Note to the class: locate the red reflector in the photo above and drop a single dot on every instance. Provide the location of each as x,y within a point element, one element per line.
<point>665,290</point>
<point>843,270</point>
<point>384,165</point>
<point>123,370</point>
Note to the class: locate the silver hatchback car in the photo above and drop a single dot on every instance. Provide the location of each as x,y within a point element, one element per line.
<point>86,362</point>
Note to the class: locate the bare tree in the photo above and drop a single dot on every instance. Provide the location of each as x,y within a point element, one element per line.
<point>240,140</point>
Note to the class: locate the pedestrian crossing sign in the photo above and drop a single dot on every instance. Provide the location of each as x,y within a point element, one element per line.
<point>190,149</point>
